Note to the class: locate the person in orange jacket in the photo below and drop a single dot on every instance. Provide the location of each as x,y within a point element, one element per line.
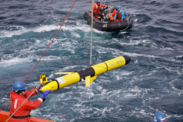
<point>18,96</point>
<point>96,8</point>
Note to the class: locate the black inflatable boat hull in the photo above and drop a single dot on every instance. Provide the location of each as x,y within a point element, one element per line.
<point>109,27</point>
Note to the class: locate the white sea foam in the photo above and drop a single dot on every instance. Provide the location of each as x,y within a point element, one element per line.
<point>17,60</point>
<point>47,28</point>
<point>180,56</point>
<point>4,99</point>
<point>33,84</point>
<point>14,61</point>
<point>43,28</point>
<point>69,67</point>
<point>4,34</point>
<point>175,91</point>
<point>76,35</point>
<point>174,116</point>
<point>21,31</point>
<point>47,58</point>
<point>86,28</point>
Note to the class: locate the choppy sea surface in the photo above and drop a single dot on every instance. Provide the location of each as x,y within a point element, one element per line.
<point>152,82</point>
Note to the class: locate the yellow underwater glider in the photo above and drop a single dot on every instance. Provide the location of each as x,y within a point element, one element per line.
<point>89,74</point>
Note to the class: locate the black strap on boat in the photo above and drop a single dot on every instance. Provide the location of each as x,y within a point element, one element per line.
<point>20,117</point>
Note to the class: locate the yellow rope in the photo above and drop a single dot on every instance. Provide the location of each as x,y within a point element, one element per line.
<point>91,35</point>
<point>20,106</point>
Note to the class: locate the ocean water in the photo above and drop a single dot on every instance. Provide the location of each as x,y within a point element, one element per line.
<point>152,82</point>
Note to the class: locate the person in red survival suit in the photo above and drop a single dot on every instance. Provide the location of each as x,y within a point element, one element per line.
<point>114,12</point>
<point>18,96</point>
<point>96,8</point>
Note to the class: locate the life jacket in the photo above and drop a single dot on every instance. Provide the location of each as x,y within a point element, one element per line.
<point>118,15</point>
<point>23,113</point>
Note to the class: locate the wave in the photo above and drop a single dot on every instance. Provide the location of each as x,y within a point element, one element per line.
<point>44,28</point>
<point>16,60</point>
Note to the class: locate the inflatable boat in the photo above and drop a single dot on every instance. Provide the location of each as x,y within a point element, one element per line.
<point>105,24</point>
<point>4,115</point>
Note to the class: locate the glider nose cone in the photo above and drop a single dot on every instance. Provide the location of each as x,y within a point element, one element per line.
<point>127,58</point>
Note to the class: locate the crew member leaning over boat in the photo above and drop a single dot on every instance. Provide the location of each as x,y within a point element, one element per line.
<point>119,16</point>
<point>18,96</point>
<point>96,8</point>
<point>111,16</point>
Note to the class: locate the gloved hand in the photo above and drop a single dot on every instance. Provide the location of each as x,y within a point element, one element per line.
<point>114,20</point>
<point>125,14</point>
<point>45,93</point>
<point>108,6</point>
<point>40,86</point>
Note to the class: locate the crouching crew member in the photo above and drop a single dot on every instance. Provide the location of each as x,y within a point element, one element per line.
<point>18,95</point>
